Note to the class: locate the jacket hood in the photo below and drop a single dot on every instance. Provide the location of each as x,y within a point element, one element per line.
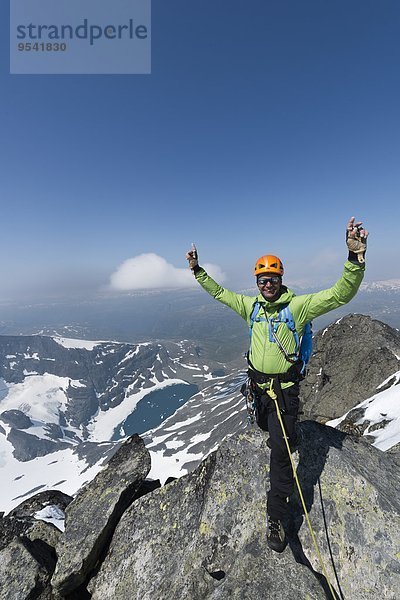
<point>285,297</point>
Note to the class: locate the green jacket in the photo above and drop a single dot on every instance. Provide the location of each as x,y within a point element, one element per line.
<point>264,355</point>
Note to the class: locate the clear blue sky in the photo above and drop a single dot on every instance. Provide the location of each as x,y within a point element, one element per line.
<point>263,126</point>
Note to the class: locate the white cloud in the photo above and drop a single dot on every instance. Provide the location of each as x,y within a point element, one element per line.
<point>150,271</point>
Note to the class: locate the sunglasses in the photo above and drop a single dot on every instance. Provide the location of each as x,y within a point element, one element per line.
<point>272,280</point>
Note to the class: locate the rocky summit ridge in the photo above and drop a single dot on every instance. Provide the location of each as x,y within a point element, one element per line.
<point>351,360</point>
<point>203,536</point>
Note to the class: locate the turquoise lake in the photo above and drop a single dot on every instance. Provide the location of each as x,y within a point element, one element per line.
<point>154,408</point>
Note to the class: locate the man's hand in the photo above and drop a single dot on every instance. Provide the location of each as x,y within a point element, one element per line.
<point>191,256</point>
<point>356,238</point>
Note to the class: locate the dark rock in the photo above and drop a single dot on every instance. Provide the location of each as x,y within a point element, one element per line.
<point>28,447</point>
<point>54,431</point>
<point>16,418</point>
<point>350,426</point>
<point>47,594</point>
<point>169,480</point>
<point>91,518</point>
<point>350,422</point>
<point>21,520</point>
<point>148,485</point>
<point>44,532</point>
<point>394,449</point>
<point>380,425</point>
<point>11,528</point>
<point>32,505</point>
<point>93,452</point>
<point>351,358</point>
<point>390,382</point>
<point>25,570</point>
<point>71,435</point>
<point>203,536</point>
<point>82,405</point>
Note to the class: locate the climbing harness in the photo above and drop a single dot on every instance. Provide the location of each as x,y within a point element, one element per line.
<point>271,393</point>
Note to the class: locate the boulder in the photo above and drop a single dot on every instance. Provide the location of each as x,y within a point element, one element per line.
<point>204,536</point>
<point>46,532</point>
<point>92,517</point>
<point>352,492</point>
<point>25,570</point>
<point>21,520</point>
<point>351,358</point>
<point>30,506</point>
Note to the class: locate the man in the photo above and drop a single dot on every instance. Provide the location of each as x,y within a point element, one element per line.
<point>273,368</point>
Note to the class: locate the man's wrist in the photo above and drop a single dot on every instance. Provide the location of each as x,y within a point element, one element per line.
<point>354,257</point>
<point>196,269</point>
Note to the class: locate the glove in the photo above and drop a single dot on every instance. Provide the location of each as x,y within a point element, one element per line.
<point>356,239</point>
<point>191,256</point>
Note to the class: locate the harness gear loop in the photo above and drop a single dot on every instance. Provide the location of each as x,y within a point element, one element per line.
<point>250,396</point>
<point>313,537</point>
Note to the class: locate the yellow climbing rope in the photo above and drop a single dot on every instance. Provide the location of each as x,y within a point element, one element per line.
<point>273,395</point>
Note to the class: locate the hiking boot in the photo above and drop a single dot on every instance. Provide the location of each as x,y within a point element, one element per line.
<point>276,536</point>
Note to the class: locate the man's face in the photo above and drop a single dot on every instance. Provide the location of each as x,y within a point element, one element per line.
<point>269,285</point>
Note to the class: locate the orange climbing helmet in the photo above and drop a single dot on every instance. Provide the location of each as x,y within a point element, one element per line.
<point>268,264</point>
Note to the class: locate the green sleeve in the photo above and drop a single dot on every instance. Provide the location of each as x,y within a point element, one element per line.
<point>237,302</point>
<point>310,306</point>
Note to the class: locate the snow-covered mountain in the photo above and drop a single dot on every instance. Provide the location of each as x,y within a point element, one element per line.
<point>180,443</point>
<point>64,404</point>
<point>386,285</point>
<point>378,417</point>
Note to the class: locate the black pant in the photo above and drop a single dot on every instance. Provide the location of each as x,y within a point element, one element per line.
<point>281,472</point>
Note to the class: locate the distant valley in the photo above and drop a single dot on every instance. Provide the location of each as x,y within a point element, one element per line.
<point>173,315</point>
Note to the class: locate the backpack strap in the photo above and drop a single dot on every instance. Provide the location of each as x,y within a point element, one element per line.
<point>254,317</point>
<point>306,345</point>
<point>303,344</point>
<point>286,316</point>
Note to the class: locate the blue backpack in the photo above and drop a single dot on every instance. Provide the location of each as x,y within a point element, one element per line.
<point>303,346</point>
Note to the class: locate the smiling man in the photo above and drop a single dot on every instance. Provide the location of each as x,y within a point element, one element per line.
<point>275,365</point>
